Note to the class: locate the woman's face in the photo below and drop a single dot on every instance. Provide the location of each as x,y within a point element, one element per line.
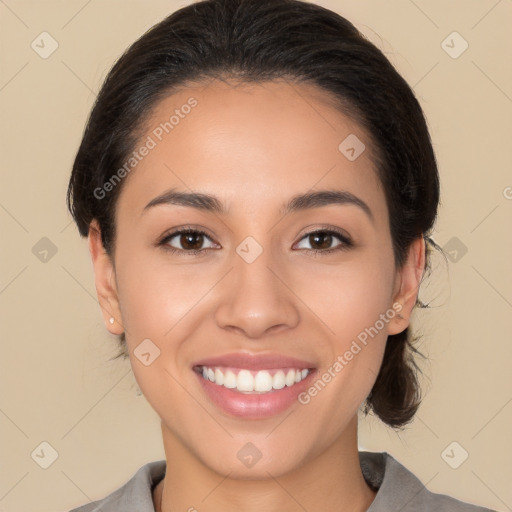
<point>256,297</point>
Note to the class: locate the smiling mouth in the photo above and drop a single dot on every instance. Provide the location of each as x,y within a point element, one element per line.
<point>253,382</point>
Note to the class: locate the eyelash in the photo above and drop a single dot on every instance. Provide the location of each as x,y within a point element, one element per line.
<point>345,244</point>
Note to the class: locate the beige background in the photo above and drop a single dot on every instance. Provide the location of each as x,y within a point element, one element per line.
<point>56,383</point>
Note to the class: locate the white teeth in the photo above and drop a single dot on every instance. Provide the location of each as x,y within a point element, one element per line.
<point>219,377</point>
<point>278,381</point>
<point>261,381</point>
<point>245,381</point>
<point>229,379</point>
<point>290,378</point>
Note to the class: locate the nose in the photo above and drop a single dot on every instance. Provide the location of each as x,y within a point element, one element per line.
<point>256,298</point>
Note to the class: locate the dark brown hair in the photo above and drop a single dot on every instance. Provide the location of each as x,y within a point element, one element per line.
<point>257,41</point>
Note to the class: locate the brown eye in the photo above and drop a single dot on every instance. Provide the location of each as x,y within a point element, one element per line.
<point>191,241</point>
<point>187,241</point>
<point>321,241</point>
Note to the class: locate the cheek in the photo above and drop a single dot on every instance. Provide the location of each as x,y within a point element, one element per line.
<point>353,301</point>
<point>348,297</point>
<point>154,295</point>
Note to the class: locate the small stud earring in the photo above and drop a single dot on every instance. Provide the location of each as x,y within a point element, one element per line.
<point>111,320</point>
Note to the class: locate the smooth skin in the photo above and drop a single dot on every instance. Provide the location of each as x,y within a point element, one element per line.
<point>254,147</point>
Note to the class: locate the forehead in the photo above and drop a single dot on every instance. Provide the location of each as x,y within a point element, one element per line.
<point>251,143</point>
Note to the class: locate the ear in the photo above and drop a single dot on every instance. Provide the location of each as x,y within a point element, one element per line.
<point>104,279</point>
<point>407,286</point>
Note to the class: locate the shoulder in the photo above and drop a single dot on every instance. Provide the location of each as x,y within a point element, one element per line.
<point>134,496</point>
<point>398,489</point>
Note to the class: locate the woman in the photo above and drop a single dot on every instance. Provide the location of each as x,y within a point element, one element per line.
<point>258,186</point>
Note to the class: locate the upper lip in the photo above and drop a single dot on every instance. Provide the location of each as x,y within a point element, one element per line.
<point>255,361</point>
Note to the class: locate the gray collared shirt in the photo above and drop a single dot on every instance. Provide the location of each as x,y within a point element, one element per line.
<point>398,490</point>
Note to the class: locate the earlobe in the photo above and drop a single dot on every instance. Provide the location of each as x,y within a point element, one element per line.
<point>408,281</point>
<point>104,280</point>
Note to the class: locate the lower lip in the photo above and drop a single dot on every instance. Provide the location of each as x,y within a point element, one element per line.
<point>253,406</point>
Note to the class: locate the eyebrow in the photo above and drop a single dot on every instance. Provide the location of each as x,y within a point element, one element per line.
<point>297,203</point>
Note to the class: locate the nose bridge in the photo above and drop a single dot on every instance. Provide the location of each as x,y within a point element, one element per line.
<point>253,268</point>
<point>256,299</point>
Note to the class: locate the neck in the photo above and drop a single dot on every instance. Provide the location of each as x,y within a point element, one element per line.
<point>331,481</point>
